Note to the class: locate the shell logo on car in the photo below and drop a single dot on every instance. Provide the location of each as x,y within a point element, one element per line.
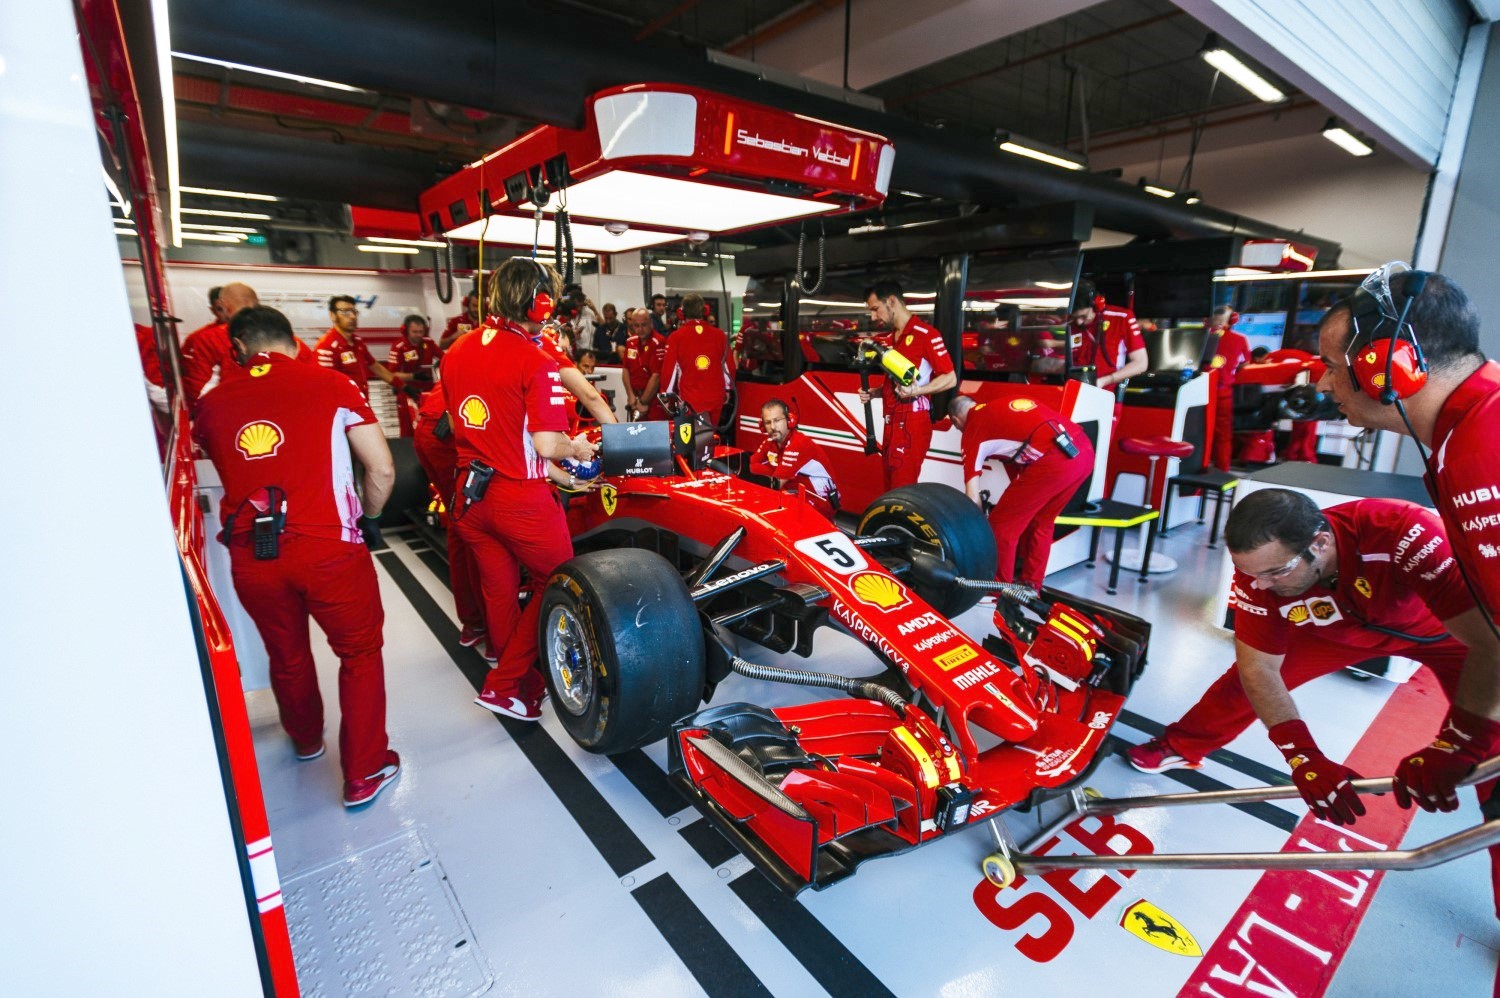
<point>875,589</point>
<point>258,439</point>
<point>1022,405</point>
<point>474,412</point>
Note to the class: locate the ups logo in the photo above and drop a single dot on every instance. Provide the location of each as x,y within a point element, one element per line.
<point>1297,614</point>
<point>1322,609</point>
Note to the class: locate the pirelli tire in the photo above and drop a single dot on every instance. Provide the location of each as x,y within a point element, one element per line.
<point>621,648</point>
<point>943,516</point>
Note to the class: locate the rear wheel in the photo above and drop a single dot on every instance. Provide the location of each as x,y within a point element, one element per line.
<point>622,648</point>
<point>944,517</point>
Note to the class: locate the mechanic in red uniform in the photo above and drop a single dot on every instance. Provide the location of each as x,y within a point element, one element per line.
<point>461,323</point>
<point>1230,355</point>
<point>1316,591</point>
<point>1047,457</point>
<point>641,358</point>
<point>791,458</point>
<point>1107,338</point>
<point>414,355</point>
<point>509,415</point>
<point>343,350</point>
<point>908,409</point>
<point>437,451</point>
<point>1453,410</point>
<point>577,389</point>
<point>697,364</point>
<point>206,354</point>
<point>297,531</point>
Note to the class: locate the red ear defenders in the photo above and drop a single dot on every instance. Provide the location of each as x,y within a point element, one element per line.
<point>1098,303</point>
<point>791,416</point>
<point>1385,360</point>
<point>541,306</point>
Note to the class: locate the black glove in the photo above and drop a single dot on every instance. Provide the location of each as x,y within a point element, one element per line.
<point>412,390</point>
<point>370,527</point>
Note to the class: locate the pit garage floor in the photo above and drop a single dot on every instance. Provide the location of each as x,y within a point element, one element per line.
<point>506,860</point>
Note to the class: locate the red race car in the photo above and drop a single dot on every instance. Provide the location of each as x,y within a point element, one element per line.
<point>677,558</point>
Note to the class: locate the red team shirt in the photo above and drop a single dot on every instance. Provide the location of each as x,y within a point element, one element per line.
<point>923,346</point>
<point>1395,568</point>
<point>1461,477</point>
<point>696,366</point>
<point>799,457</point>
<point>1232,353</point>
<point>303,450</point>
<point>546,341</point>
<point>642,358</point>
<point>457,325</point>
<point>1119,333</point>
<point>1018,431</point>
<point>208,348</point>
<point>347,355</point>
<point>495,411</point>
<point>406,357</point>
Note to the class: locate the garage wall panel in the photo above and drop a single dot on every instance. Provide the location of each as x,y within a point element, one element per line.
<point>1386,66</point>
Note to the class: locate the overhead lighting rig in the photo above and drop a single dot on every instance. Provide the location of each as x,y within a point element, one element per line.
<point>1216,55</point>
<point>1351,142</point>
<point>1031,149</point>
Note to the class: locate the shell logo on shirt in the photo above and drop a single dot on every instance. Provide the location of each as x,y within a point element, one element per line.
<point>1022,405</point>
<point>1297,614</point>
<point>1319,610</point>
<point>474,412</point>
<point>259,370</point>
<point>261,438</point>
<point>701,362</point>
<point>1217,362</point>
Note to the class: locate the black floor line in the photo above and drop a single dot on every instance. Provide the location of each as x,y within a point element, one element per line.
<point>828,961</point>
<point>713,962</point>
<point>1194,780</point>
<point>1235,761</point>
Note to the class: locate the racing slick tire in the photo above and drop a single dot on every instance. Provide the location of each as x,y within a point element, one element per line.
<point>622,648</point>
<point>942,515</point>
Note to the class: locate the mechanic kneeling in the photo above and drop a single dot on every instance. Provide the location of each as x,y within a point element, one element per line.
<point>507,404</point>
<point>1316,591</point>
<point>791,458</point>
<point>298,537</point>
<point>1047,457</point>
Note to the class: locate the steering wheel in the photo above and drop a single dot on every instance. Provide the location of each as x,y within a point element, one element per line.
<point>676,407</point>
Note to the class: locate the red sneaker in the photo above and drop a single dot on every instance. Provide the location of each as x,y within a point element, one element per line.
<point>486,651</point>
<point>517,707</point>
<point>357,792</point>
<point>470,636</point>
<point>1156,756</point>
<point>306,753</point>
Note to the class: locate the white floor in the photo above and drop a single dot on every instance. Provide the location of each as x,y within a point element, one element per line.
<point>565,873</point>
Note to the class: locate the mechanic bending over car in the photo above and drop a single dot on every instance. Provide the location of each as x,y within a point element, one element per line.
<point>298,536</point>
<point>1047,457</point>
<point>792,459</point>
<point>907,409</point>
<point>506,400</point>
<point>1316,591</point>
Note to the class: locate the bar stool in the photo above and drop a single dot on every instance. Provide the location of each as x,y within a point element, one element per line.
<point>1153,448</point>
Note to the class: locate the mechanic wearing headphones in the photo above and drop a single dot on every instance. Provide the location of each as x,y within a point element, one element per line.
<point>1230,355</point>
<point>697,365</point>
<point>280,439</point>
<point>462,322</point>
<point>1047,457</point>
<point>1106,338</point>
<point>415,355</point>
<point>790,457</point>
<point>342,349</point>
<point>1402,354</point>
<point>908,408</point>
<point>1316,591</point>
<point>508,411</point>
<point>642,357</point>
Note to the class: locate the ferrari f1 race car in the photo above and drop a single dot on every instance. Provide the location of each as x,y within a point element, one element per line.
<point>678,560</point>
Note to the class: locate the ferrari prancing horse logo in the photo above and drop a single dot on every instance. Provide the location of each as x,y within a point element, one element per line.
<point>609,496</point>
<point>1146,921</point>
<point>685,431</point>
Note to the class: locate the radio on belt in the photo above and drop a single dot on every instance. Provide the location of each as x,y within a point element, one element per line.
<point>954,801</point>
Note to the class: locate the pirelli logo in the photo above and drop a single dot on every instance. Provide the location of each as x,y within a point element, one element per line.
<point>958,656</point>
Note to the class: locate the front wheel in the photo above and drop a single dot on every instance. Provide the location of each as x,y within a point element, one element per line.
<point>622,648</point>
<point>944,517</point>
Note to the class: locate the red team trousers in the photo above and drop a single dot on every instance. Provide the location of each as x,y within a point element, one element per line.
<point>1022,520</point>
<point>908,434</point>
<point>333,582</point>
<point>518,523</point>
<point>438,459</point>
<point>1224,710</point>
<point>1223,430</point>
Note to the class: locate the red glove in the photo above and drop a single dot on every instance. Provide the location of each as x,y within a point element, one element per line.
<point>1429,778</point>
<point>1323,783</point>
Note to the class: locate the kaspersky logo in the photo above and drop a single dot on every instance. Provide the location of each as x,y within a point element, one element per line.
<point>1147,922</point>
<point>261,438</point>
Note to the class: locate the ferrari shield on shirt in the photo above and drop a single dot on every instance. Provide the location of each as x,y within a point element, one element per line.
<point>284,426</point>
<point>1395,570</point>
<point>923,346</point>
<point>501,389</point>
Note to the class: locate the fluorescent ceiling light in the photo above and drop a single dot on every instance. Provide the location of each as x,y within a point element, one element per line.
<point>406,250</point>
<point>252,215</point>
<point>685,263</point>
<point>390,240</point>
<point>1226,63</point>
<point>551,256</point>
<point>684,204</point>
<point>513,230</point>
<point>229,194</point>
<point>920,294</point>
<point>314,81</point>
<point>1192,199</point>
<point>1045,157</point>
<point>218,228</point>
<point>1053,285</point>
<point>1160,192</point>
<point>1298,276</point>
<point>654,267</point>
<point>161,29</point>
<point>126,232</point>
<point>833,304</point>
<point>216,237</point>
<point>1346,140</point>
